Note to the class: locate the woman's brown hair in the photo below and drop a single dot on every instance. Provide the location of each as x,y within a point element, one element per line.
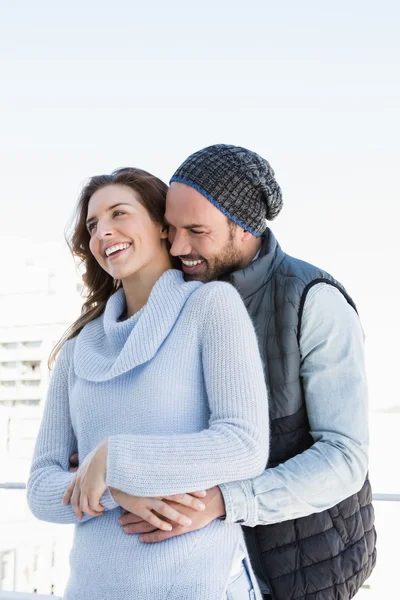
<point>99,285</point>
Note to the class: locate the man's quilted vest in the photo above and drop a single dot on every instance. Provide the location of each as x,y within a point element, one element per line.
<point>327,555</point>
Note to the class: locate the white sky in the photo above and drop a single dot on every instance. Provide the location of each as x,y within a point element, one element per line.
<point>314,87</point>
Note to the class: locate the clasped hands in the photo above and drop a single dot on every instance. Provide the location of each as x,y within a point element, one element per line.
<point>156,519</point>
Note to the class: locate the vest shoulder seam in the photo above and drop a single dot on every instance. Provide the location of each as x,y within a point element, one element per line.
<point>304,297</point>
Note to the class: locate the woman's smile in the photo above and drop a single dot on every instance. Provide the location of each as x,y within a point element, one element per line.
<point>112,252</point>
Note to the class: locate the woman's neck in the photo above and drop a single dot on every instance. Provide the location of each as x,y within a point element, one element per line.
<point>138,288</point>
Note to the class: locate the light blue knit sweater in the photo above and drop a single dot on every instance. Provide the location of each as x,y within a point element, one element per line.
<point>178,389</point>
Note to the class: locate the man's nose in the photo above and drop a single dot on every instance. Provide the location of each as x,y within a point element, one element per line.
<point>180,245</point>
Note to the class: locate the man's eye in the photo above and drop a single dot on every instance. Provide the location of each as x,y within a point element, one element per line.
<point>196,232</point>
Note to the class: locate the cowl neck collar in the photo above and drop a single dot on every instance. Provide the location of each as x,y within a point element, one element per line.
<point>108,347</point>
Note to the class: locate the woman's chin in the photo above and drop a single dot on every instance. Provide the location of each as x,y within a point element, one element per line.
<point>123,274</point>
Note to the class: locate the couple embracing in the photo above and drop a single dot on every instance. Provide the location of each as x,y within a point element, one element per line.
<point>214,391</point>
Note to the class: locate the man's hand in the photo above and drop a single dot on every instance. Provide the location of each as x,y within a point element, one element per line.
<point>73,463</point>
<point>161,512</point>
<point>215,507</point>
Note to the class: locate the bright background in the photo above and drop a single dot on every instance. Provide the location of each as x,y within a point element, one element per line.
<point>312,86</point>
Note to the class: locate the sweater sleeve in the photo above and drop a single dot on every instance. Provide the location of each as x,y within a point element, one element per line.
<point>49,476</point>
<point>235,446</point>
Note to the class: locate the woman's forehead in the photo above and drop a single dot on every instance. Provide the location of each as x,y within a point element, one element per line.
<point>110,196</point>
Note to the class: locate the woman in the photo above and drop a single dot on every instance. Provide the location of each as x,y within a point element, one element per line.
<point>159,386</point>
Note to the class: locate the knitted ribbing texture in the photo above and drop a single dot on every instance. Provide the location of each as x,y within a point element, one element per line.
<point>178,390</point>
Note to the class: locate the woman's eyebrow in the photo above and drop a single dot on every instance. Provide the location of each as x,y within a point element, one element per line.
<point>108,209</point>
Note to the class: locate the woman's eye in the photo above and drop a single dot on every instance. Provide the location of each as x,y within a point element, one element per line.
<point>91,227</point>
<point>118,212</point>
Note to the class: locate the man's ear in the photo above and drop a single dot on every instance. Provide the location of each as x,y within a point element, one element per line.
<point>246,235</point>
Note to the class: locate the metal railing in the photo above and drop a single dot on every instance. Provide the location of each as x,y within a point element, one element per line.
<point>26,596</point>
<point>9,485</point>
<point>386,497</point>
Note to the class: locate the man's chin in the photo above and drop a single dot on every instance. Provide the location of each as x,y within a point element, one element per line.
<point>218,273</point>
<point>198,273</point>
<point>196,277</point>
<point>207,276</point>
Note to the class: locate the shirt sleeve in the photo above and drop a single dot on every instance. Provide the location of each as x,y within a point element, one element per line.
<point>335,388</point>
<point>235,445</point>
<point>49,476</point>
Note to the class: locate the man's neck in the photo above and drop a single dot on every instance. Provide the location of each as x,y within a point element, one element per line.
<point>252,252</point>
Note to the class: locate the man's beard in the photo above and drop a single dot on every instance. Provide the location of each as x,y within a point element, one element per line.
<point>218,267</point>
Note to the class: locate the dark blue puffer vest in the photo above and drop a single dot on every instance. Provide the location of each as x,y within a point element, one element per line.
<point>327,555</point>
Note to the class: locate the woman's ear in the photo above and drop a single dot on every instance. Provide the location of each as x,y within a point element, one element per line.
<point>164,232</point>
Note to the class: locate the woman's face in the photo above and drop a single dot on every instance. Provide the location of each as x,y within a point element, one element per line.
<point>123,238</point>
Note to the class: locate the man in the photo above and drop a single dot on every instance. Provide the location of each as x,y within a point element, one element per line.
<point>308,519</point>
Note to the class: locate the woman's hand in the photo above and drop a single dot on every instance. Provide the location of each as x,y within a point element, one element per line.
<point>143,507</point>
<point>89,484</point>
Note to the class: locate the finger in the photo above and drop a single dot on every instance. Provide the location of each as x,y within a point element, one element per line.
<point>75,502</point>
<point>130,519</point>
<point>142,527</point>
<point>85,506</point>
<point>68,493</point>
<point>170,513</point>
<point>73,469</point>
<point>151,518</point>
<point>159,536</point>
<point>201,494</point>
<point>74,459</point>
<point>94,503</point>
<point>83,503</point>
<point>187,500</point>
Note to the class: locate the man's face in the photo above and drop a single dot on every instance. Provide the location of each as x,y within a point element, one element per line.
<point>201,235</point>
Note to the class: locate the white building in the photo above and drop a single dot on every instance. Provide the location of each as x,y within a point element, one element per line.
<point>24,375</point>
<point>39,299</point>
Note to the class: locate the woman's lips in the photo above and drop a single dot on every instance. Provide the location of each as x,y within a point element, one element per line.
<point>115,255</point>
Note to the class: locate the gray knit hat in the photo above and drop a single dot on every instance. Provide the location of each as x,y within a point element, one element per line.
<point>240,183</point>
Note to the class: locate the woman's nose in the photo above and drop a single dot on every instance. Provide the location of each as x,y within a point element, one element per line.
<point>104,230</point>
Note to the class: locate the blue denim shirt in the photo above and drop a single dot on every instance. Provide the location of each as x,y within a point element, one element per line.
<point>335,387</point>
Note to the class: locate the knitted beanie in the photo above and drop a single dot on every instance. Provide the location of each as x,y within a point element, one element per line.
<point>239,182</point>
